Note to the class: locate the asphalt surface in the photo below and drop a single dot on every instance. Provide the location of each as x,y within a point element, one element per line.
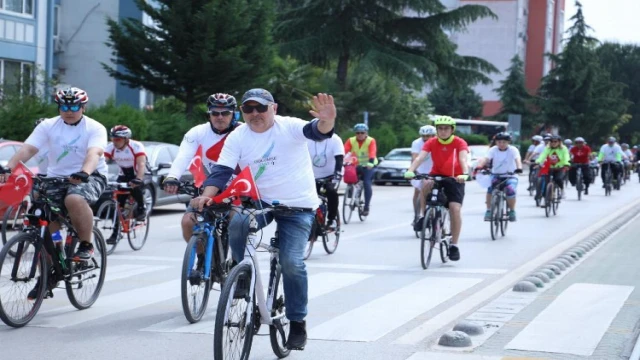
<point>369,300</point>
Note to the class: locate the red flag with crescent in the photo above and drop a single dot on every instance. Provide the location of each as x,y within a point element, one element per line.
<point>17,186</point>
<point>242,185</point>
<point>195,167</point>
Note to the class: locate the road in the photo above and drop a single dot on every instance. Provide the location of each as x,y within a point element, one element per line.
<point>369,300</point>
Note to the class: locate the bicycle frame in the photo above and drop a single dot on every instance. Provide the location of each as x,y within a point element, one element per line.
<point>206,229</point>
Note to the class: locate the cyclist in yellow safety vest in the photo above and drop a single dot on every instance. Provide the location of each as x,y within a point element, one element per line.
<point>365,149</point>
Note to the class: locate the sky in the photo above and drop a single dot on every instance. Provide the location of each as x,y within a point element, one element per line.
<point>611,20</point>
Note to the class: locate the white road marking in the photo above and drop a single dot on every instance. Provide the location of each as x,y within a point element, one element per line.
<point>373,320</point>
<point>575,321</point>
<point>445,356</point>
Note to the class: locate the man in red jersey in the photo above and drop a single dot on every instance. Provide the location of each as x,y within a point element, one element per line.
<point>580,159</point>
<point>449,156</point>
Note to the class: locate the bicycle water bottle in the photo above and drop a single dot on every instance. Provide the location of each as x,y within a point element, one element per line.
<point>127,208</point>
<point>57,240</point>
<point>434,195</point>
<point>275,202</point>
<point>323,208</point>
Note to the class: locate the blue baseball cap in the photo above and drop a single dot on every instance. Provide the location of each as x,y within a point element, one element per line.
<point>261,96</point>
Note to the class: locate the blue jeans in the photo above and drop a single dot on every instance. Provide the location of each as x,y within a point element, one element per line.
<point>293,234</point>
<point>366,175</point>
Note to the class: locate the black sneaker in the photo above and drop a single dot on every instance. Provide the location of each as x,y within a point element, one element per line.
<point>84,253</point>
<point>454,253</point>
<point>112,240</point>
<point>297,335</point>
<point>141,214</point>
<point>417,226</point>
<point>365,211</point>
<point>586,191</point>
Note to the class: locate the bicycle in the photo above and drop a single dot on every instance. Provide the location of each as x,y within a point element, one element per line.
<point>579,181</point>
<point>205,259</point>
<point>113,217</point>
<point>35,250</point>
<point>244,283</point>
<point>499,208</point>
<point>319,227</point>
<point>353,200</point>
<point>436,226</point>
<point>533,179</point>
<point>552,197</point>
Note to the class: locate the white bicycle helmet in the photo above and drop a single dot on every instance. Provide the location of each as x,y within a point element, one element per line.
<point>427,130</point>
<point>537,138</point>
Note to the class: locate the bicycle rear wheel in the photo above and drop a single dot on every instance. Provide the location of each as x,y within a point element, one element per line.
<point>195,288</point>
<point>85,279</point>
<point>426,238</point>
<point>347,204</point>
<point>279,331</point>
<point>105,220</point>
<point>330,239</point>
<point>313,236</point>
<point>138,232</point>
<point>15,309</point>
<point>232,325</point>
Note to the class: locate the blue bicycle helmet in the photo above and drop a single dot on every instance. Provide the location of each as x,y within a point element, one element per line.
<point>360,128</point>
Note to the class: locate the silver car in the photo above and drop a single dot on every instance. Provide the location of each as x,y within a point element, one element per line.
<point>392,167</point>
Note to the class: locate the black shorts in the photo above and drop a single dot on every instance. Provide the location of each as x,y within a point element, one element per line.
<point>91,190</point>
<point>453,190</point>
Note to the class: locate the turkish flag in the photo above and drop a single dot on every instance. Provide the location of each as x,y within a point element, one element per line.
<point>17,186</point>
<point>242,185</point>
<point>195,167</point>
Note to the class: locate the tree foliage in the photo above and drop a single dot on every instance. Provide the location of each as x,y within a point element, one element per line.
<point>578,95</point>
<point>383,36</point>
<point>623,62</point>
<point>514,96</point>
<point>197,47</point>
<point>457,101</point>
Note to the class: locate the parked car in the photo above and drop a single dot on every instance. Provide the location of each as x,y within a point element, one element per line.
<point>476,152</point>
<point>160,156</point>
<point>392,167</point>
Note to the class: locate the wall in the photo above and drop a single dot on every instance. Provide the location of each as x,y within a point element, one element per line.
<point>18,36</point>
<point>83,32</point>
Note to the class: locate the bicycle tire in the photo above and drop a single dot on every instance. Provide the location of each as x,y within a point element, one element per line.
<point>495,213</point>
<point>132,235</point>
<point>579,184</point>
<point>99,248</point>
<point>42,264</point>
<point>226,298</point>
<point>426,238</point>
<point>444,244</point>
<point>347,209</point>
<point>106,220</point>
<point>189,258</point>
<point>548,199</point>
<point>313,236</point>
<point>12,213</point>
<point>504,215</point>
<point>277,339</point>
<point>361,216</point>
<point>556,201</point>
<point>331,246</point>
<point>532,182</point>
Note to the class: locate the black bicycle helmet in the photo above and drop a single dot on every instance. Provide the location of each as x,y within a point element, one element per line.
<point>503,136</point>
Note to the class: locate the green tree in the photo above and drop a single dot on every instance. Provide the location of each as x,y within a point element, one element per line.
<point>458,101</point>
<point>514,96</point>
<point>623,62</point>
<point>578,95</point>
<point>412,48</point>
<point>197,47</point>
<point>110,115</point>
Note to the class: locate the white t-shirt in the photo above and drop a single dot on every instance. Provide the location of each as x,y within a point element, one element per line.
<point>416,147</point>
<point>610,152</point>
<point>127,156</point>
<point>211,142</point>
<point>628,154</point>
<point>323,155</point>
<point>539,149</point>
<point>68,144</point>
<point>503,161</point>
<point>42,160</point>
<point>279,160</point>
<point>531,148</point>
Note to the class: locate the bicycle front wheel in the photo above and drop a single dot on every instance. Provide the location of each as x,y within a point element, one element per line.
<point>105,220</point>
<point>347,204</point>
<point>427,238</point>
<point>233,334</point>
<point>504,216</point>
<point>195,288</point>
<point>279,331</point>
<point>331,238</point>
<point>86,278</point>
<point>548,199</point>
<point>495,215</point>
<point>16,310</point>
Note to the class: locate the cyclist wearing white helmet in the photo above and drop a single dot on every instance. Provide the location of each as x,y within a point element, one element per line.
<point>365,149</point>
<point>568,143</point>
<point>580,158</point>
<point>131,158</point>
<point>610,155</point>
<point>535,141</point>
<point>426,132</point>
<point>626,160</point>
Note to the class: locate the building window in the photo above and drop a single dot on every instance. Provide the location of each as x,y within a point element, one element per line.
<point>17,6</point>
<point>16,77</point>
<point>56,21</point>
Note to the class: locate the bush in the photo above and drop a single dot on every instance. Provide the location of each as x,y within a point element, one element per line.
<point>167,127</point>
<point>474,139</point>
<point>386,138</point>
<point>524,146</point>
<point>19,113</point>
<point>110,115</point>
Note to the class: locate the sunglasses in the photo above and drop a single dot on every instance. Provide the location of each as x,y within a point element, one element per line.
<point>117,138</point>
<point>218,113</point>
<point>248,109</point>
<point>360,133</point>
<point>73,108</point>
